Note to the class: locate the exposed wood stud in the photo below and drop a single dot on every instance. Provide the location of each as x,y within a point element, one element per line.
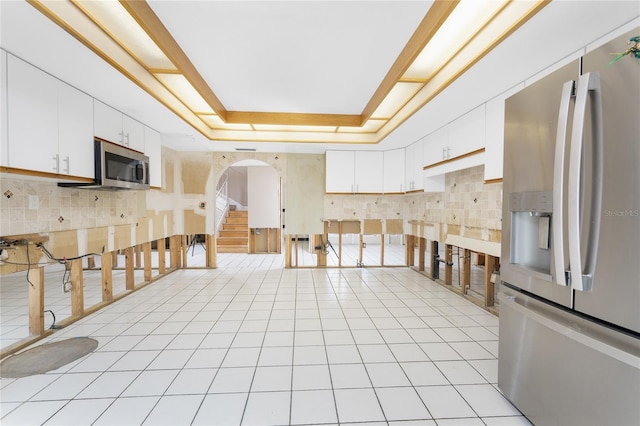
<point>77,288</point>
<point>146,250</point>
<point>36,301</point>
<point>107,277</point>
<point>129,268</point>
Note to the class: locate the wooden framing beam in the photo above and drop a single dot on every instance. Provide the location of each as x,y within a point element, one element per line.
<point>287,251</point>
<point>129,268</point>
<point>422,248</point>
<point>174,251</point>
<point>448,266</point>
<point>77,288</point>
<point>489,287</point>
<point>107,277</point>
<point>36,301</point>
<point>211,250</point>
<point>162,255</point>
<point>146,251</point>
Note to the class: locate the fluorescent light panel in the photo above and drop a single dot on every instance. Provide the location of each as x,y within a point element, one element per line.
<point>466,19</point>
<point>397,97</point>
<point>115,19</point>
<point>180,86</point>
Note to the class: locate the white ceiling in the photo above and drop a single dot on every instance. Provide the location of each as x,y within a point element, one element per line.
<point>320,57</point>
<point>324,57</point>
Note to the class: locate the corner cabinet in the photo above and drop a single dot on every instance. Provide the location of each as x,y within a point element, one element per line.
<point>114,126</point>
<point>51,123</point>
<point>152,143</point>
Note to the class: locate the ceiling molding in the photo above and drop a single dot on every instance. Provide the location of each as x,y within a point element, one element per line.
<point>432,21</point>
<point>290,118</point>
<point>149,21</point>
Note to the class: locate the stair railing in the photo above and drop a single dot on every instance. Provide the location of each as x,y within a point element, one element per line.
<point>222,201</point>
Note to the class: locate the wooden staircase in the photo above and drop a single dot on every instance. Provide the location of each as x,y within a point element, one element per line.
<point>234,235</point>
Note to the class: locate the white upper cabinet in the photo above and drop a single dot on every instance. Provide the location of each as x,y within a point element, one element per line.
<point>107,123</point>
<point>350,172</point>
<point>368,172</point>
<point>75,132</point>
<point>133,132</point>
<point>114,126</point>
<point>413,180</point>
<point>494,136</point>
<point>51,123</point>
<point>340,171</point>
<point>436,146</point>
<point>393,172</point>
<point>467,133</point>
<point>32,103</point>
<point>154,152</point>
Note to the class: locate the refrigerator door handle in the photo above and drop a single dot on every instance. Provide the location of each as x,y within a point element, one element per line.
<point>581,273</point>
<point>557,229</point>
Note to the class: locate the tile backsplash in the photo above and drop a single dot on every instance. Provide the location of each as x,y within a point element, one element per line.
<point>467,201</point>
<point>34,206</point>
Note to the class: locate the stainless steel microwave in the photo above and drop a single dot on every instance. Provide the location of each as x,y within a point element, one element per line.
<point>116,168</point>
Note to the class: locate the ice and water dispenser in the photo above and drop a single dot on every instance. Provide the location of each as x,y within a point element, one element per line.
<point>531,229</point>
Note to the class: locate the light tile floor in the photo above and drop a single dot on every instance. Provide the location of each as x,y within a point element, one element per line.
<point>252,343</point>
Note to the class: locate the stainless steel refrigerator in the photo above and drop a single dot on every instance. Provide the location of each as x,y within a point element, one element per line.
<point>569,351</point>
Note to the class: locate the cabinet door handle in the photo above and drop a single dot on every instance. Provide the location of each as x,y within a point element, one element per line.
<point>68,168</point>
<point>121,137</point>
<point>57,160</point>
<point>127,143</point>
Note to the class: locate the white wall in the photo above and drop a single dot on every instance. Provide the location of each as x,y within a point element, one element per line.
<point>263,184</point>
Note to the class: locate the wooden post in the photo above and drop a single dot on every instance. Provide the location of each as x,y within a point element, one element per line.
<point>146,250</point>
<point>448,267</point>
<point>77,288</point>
<point>129,269</point>
<point>422,244</point>
<point>184,245</point>
<point>339,244</point>
<point>381,249</point>
<point>162,256</point>
<point>360,251</point>
<point>489,287</point>
<point>107,277</point>
<point>91,262</point>
<point>297,249</point>
<point>409,253</point>
<point>287,251</point>
<point>174,251</point>
<point>466,270</point>
<point>114,255</point>
<point>36,301</point>
<point>211,250</point>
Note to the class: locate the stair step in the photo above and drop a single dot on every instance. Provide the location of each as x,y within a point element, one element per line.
<point>232,241</point>
<point>235,227</point>
<point>239,220</point>
<point>232,233</point>
<point>233,249</point>
<point>238,213</point>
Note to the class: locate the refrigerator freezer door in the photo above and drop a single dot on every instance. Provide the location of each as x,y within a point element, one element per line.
<point>531,129</point>
<point>559,369</point>
<point>615,293</point>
